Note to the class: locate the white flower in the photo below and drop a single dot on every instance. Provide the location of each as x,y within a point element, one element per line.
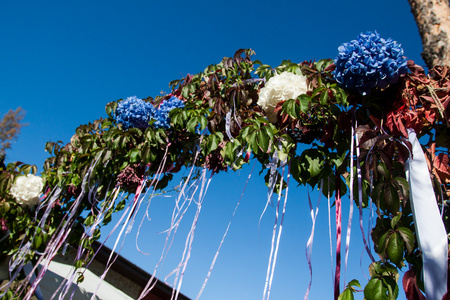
<point>281,87</point>
<point>26,189</point>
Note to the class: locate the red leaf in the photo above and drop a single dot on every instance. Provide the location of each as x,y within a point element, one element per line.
<point>441,164</point>
<point>376,121</point>
<point>412,291</point>
<point>430,116</point>
<point>404,152</point>
<point>415,69</point>
<point>400,126</point>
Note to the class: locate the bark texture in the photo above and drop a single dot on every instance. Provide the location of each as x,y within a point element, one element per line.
<point>433,20</point>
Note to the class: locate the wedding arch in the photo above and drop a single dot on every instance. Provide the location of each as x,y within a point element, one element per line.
<point>373,126</point>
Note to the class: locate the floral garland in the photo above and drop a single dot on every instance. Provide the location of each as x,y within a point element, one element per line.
<point>216,119</point>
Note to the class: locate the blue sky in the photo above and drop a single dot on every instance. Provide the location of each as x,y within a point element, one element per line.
<point>63,61</point>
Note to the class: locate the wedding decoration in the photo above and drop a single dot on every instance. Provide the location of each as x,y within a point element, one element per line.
<point>26,189</point>
<point>430,229</point>
<point>134,112</point>
<point>162,114</point>
<point>339,127</point>
<point>368,62</point>
<point>281,87</point>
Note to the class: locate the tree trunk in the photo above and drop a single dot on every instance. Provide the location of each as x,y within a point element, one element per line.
<point>433,19</point>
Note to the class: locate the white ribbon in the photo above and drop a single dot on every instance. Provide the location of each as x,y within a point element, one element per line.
<point>228,126</point>
<point>430,229</point>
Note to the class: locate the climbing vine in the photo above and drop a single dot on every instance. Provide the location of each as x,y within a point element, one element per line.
<point>302,114</point>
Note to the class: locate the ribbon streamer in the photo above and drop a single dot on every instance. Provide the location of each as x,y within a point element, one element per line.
<point>350,213</point>
<point>338,203</point>
<point>276,236</point>
<point>223,237</point>
<point>309,244</point>
<point>329,232</point>
<point>228,125</point>
<point>177,215</point>
<point>430,229</point>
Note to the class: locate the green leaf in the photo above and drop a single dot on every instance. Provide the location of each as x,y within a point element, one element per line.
<point>80,278</point>
<point>78,264</point>
<point>314,164</point>
<point>37,241</point>
<point>394,248</point>
<point>322,64</point>
<point>185,92</point>
<point>134,155</point>
<point>108,217</point>
<point>203,122</point>
<point>347,294</point>
<point>395,220</point>
<point>120,206</point>
<point>6,179</point>
<point>213,142</point>
<point>89,221</point>
<point>106,124</point>
<point>382,244</point>
<point>245,132</point>
<point>296,169</point>
<point>164,181</point>
<point>339,160</point>
<point>159,136</point>
<point>304,101</point>
<point>408,238</point>
<point>263,140</point>
<point>288,107</point>
<point>392,287</point>
<point>286,146</point>
<point>96,234</point>
<point>252,141</point>
<point>354,282</point>
<point>340,95</point>
<point>391,201</point>
<point>192,88</point>
<point>25,169</point>
<point>106,156</point>
<point>375,290</point>
<point>191,124</point>
<point>110,107</point>
<point>324,97</point>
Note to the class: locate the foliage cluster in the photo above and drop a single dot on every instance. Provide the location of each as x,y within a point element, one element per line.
<point>221,124</point>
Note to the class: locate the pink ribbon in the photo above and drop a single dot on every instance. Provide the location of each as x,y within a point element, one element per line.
<point>337,275</point>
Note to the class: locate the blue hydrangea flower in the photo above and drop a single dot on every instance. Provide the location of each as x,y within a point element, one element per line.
<point>369,61</point>
<point>134,113</point>
<point>161,116</point>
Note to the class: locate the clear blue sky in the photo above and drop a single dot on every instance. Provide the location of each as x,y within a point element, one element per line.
<point>62,61</point>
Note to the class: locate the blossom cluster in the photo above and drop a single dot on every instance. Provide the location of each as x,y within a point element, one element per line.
<point>162,113</point>
<point>281,87</point>
<point>369,61</point>
<point>130,177</point>
<point>134,113</point>
<point>137,113</point>
<point>26,190</point>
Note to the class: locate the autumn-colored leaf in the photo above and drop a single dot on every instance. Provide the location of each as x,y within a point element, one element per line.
<point>441,165</point>
<point>410,286</point>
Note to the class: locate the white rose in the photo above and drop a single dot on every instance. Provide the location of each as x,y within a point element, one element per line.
<point>281,87</point>
<point>26,189</point>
